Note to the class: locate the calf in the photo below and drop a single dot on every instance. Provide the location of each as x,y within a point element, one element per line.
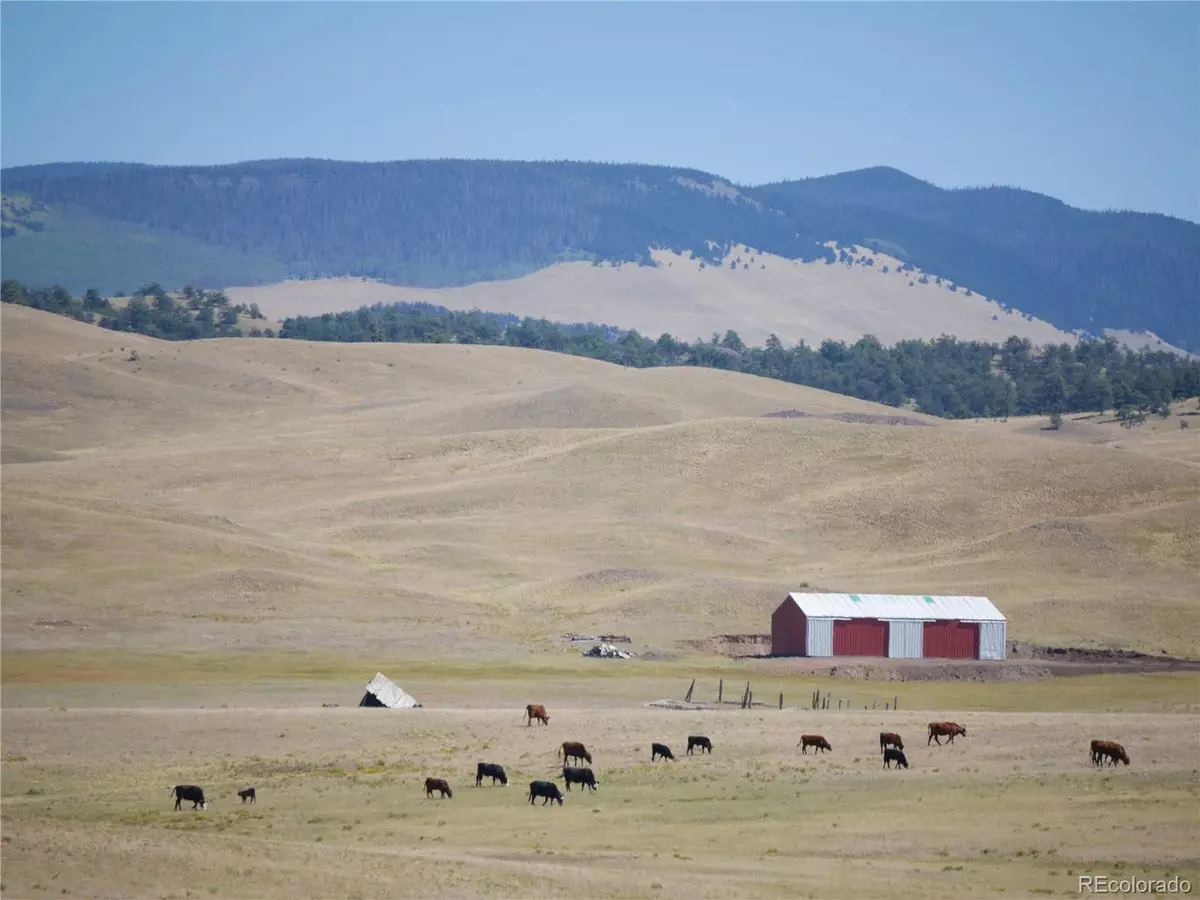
<point>546,789</point>
<point>583,777</point>
<point>437,784</point>
<point>1114,751</point>
<point>189,792</point>
<point>573,750</point>
<point>938,730</point>
<point>894,756</point>
<point>536,711</point>
<point>495,772</point>
<point>814,740</point>
<point>657,750</point>
<point>247,794</point>
<point>890,739</point>
<point>698,740</point>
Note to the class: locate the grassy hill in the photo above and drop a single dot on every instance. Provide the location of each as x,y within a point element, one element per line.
<point>754,293</point>
<point>455,500</point>
<point>457,222</point>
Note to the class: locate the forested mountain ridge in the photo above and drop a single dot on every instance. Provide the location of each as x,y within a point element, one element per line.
<point>1080,270</point>
<point>448,222</point>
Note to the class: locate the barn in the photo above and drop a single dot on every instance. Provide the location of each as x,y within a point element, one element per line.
<point>888,625</point>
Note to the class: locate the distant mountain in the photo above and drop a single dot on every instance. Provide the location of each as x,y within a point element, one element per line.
<point>453,222</point>
<point>1079,270</point>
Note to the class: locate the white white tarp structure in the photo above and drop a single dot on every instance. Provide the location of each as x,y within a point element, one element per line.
<point>382,691</point>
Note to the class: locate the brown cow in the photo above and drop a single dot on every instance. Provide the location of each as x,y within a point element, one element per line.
<point>889,739</point>
<point>939,730</point>
<point>813,740</point>
<point>1114,751</point>
<point>536,711</point>
<point>437,784</point>
<point>573,750</point>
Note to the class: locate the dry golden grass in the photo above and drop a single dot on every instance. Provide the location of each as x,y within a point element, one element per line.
<point>1014,806</point>
<point>797,301</point>
<point>434,499</point>
<point>261,525</point>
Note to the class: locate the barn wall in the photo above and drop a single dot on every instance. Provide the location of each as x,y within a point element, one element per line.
<point>787,630</point>
<point>951,639</point>
<point>860,637</point>
<point>906,639</point>
<point>993,639</point>
<point>820,637</point>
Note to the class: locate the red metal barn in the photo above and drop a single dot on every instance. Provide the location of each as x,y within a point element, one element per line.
<point>888,625</point>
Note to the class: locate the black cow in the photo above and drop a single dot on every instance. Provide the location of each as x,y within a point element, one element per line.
<point>698,740</point>
<point>657,750</point>
<point>248,794</point>
<point>573,775</point>
<point>492,770</point>
<point>891,755</point>
<point>547,789</point>
<point>189,792</point>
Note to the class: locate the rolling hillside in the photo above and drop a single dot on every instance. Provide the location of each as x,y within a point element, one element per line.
<point>458,222</point>
<point>751,292</point>
<point>471,500</point>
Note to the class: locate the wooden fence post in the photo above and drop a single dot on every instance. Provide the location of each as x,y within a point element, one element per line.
<point>688,698</point>
<point>895,703</point>
<point>720,690</point>
<point>781,699</point>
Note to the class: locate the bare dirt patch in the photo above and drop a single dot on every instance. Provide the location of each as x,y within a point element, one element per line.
<point>1025,662</point>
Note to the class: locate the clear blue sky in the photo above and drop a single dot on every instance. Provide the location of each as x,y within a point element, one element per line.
<point>1097,104</point>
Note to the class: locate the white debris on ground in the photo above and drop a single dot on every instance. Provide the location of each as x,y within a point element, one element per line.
<point>607,651</point>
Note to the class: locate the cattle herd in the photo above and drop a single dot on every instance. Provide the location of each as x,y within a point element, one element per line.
<point>891,745</point>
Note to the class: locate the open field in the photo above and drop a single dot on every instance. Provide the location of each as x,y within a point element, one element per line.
<point>204,544</point>
<point>1013,807</point>
<point>764,294</point>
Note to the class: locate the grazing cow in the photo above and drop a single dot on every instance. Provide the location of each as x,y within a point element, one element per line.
<point>698,740</point>
<point>814,740</point>
<point>189,792</point>
<point>536,711</point>
<point>573,750</point>
<point>437,784</point>
<point>1114,751</point>
<point>485,770</point>
<point>547,789</point>
<point>583,777</point>
<point>889,739</point>
<point>894,756</point>
<point>248,794</point>
<point>657,750</point>
<point>938,730</point>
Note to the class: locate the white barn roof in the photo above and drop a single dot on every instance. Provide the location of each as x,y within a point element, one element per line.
<point>896,606</point>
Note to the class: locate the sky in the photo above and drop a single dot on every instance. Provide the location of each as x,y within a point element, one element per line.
<point>1096,104</point>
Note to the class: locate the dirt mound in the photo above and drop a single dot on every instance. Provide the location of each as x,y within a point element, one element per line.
<point>1078,655</point>
<point>735,645</point>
